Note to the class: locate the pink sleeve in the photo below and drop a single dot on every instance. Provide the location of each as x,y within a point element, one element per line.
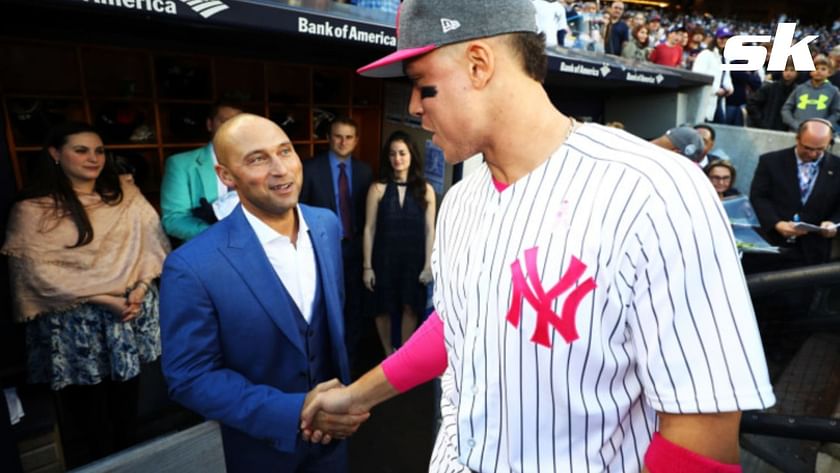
<point>664,456</point>
<point>421,359</point>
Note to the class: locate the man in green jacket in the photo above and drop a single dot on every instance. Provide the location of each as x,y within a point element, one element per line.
<point>190,185</point>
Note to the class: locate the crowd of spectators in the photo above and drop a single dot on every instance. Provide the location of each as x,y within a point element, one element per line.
<point>773,100</point>
<point>608,26</point>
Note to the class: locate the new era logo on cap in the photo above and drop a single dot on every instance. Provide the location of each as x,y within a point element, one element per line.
<point>425,25</point>
<point>449,25</point>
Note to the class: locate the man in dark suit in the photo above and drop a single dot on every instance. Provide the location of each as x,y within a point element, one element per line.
<point>335,180</point>
<point>799,184</point>
<point>250,310</point>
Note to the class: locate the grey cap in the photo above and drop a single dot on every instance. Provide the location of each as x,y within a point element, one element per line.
<point>688,141</point>
<point>425,25</point>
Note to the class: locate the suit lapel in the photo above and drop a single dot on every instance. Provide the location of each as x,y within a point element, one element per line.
<point>826,179</point>
<point>790,173</point>
<point>328,278</point>
<point>359,192</point>
<point>246,255</point>
<point>207,174</point>
<point>328,172</point>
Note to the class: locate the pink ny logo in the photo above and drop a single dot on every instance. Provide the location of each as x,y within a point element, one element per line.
<point>542,301</point>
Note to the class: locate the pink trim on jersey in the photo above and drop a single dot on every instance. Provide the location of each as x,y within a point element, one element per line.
<point>663,456</point>
<point>421,359</point>
<point>500,186</point>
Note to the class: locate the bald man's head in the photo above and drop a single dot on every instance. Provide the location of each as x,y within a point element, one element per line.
<point>230,133</point>
<point>816,128</point>
<point>813,138</point>
<point>258,160</point>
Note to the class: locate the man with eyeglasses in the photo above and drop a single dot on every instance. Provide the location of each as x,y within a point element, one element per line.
<point>800,185</point>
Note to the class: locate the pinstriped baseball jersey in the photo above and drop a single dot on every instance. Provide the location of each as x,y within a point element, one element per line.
<point>596,290</point>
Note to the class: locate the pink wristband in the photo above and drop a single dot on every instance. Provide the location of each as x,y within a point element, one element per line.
<point>421,359</point>
<point>667,457</point>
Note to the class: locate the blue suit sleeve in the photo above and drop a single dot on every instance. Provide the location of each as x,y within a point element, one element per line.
<point>193,365</point>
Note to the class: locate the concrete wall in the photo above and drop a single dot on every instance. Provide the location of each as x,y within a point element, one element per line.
<point>195,450</point>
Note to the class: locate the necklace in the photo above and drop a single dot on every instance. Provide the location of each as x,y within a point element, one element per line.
<point>573,125</point>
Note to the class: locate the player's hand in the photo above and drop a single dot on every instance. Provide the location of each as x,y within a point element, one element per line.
<point>787,230</point>
<point>828,229</point>
<point>425,276</point>
<point>329,412</point>
<point>369,278</point>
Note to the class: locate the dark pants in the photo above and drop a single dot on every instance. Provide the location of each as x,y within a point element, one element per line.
<point>97,420</point>
<point>353,296</point>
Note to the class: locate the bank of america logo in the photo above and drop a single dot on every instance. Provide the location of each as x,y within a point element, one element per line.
<point>206,8</point>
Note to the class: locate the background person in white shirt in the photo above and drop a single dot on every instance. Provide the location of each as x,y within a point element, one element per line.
<point>551,20</point>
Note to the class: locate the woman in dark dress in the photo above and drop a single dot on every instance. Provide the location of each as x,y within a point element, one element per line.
<point>398,237</point>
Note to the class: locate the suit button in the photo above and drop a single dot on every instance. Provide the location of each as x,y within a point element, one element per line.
<point>310,333</point>
<point>312,359</point>
<point>302,374</point>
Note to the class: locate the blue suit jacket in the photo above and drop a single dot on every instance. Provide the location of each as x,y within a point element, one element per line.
<point>232,351</point>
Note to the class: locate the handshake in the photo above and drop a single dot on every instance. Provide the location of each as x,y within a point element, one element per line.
<point>330,412</point>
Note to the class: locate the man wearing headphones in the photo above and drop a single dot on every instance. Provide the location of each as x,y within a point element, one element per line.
<point>800,185</point>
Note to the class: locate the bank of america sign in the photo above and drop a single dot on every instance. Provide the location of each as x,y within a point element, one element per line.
<point>205,8</point>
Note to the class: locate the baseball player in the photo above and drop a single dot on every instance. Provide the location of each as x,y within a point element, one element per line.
<point>592,314</point>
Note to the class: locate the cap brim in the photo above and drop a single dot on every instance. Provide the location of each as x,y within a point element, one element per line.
<point>392,64</point>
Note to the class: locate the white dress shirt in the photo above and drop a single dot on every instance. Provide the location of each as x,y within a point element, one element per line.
<point>295,267</point>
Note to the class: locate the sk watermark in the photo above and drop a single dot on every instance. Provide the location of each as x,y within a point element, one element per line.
<point>783,48</point>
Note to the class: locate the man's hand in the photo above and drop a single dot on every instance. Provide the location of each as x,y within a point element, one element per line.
<point>787,230</point>
<point>204,211</point>
<point>328,414</point>
<point>828,229</point>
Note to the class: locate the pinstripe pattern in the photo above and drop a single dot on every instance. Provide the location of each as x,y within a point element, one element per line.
<point>669,326</point>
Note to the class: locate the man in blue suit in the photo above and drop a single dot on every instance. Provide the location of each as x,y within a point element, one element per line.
<point>251,310</point>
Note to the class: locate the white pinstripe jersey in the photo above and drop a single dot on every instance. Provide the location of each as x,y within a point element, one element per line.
<point>668,327</point>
